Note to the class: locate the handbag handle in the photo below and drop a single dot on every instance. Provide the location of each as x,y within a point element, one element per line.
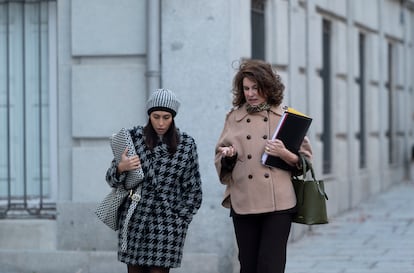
<point>321,191</point>
<point>306,163</point>
<point>301,166</point>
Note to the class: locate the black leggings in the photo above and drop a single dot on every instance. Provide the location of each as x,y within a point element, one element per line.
<point>262,241</point>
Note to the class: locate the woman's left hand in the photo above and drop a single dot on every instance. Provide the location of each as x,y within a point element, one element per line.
<point>275,147</point>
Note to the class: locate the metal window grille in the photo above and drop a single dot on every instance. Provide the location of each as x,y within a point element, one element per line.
<point>326,79</point>
<point>258,29</point>
<point>390,133</point>
<point>361,83</point>
<point>24,110</point>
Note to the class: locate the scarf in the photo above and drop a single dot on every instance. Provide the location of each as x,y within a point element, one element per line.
<point>257,108</point>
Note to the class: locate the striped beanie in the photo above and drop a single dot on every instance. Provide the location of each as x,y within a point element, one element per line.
<point>163,100</point>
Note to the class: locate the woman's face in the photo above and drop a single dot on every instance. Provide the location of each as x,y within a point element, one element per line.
<point>251,92</point>
<point>161,121</point>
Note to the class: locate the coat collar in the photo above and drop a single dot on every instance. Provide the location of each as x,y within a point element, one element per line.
<point>241,112</point>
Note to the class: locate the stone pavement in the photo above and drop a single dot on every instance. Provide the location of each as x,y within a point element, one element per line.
<point>377,236</point>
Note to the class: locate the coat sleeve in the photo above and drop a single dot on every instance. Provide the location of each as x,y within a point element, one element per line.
<point>306,148</point>
<point>192,191</point>
<point>224,166</point>
<point>306,151</point>
<point>112,177</point>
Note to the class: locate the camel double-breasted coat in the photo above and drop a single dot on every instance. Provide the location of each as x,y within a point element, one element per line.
<point>252,187</point>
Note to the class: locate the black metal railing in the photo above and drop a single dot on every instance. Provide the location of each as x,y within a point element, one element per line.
<point>24,152</point>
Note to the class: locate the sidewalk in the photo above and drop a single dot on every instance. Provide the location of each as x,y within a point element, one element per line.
<point>377,236</point>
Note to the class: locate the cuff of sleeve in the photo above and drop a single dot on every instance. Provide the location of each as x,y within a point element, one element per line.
<point>120,177</point>
<point>228,162</point>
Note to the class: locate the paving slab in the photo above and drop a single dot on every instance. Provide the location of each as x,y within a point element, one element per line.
<point>376,236</point>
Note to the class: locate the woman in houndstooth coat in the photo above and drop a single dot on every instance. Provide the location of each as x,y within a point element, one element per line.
<point>171,189</point>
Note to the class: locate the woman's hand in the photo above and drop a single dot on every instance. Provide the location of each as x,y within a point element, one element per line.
<point>128,163</point>
<point>277,148</point>
<point>229,151</point>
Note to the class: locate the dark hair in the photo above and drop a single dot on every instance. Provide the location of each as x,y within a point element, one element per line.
<point>171,137</point>
<point>269,83</point>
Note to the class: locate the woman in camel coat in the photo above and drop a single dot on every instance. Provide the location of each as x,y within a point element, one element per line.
<point>261,199</point>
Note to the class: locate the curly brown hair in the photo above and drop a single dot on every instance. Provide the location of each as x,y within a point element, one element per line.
<point>269,83</point>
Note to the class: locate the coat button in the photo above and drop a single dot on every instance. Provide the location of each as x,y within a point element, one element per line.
<point>265,137</point>
<point>248,136</point>
<point>265,119</point>
<point>250,176</point>
<point>248,120</point>
<point>266,175</point>
<point>249,156</point>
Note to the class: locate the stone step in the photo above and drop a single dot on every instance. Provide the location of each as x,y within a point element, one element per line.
<point>43,261</point>
<point>28,234</point>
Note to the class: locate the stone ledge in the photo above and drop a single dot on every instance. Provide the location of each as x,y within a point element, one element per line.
<point>38,261</point>
<point>28,234</point>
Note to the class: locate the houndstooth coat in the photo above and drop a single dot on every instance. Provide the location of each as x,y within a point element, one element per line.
<point>171,195</point>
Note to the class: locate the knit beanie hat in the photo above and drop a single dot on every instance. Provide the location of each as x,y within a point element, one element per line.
<point>163,100</point>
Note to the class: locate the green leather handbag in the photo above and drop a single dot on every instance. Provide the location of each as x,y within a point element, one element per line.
<point>311,198</point>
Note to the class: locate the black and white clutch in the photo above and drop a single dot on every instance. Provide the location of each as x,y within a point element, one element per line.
<point>119,142</point>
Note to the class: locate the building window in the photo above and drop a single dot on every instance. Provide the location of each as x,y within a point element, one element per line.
<point>360,81</point>
<point>25,88</point>
<point>258,29</point>
<point>389,87</point>
<point>326,82</point>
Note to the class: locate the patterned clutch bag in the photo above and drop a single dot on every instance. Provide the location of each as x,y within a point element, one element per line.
<point>119,142</point>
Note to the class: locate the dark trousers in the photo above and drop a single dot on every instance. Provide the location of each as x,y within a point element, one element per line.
<point>262,241</point>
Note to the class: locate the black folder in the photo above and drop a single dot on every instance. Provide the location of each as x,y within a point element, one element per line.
<point>291,129</point>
